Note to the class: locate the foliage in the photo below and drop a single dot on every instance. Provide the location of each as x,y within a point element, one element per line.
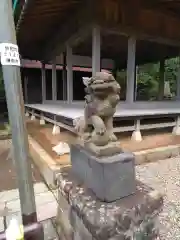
<point>121,79</point>
<point>148,79</point>
<point>171,72</point>
<point>147,82</point>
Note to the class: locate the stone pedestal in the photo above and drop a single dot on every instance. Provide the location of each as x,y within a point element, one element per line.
<point>81,216</point>
<point>110,178</point>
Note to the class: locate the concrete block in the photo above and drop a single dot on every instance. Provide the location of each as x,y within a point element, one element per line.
<point>161,153</point>
<point>42,121</point>
<point>27,114</point>
<point>33,118</point>
<point>40,188</point>
<point>14,206</point>
<point>9,195</point>
<point>152,155</point>
<point>56,130</point>
<point>12,195</point>
<point>46,165</point>
<point>47,211</point>
<point>44,198</point>
<point>110,178</point>
<point>176,130</point>
<point>136,136</point>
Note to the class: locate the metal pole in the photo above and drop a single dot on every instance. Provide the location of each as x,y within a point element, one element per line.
<point>13,88</point>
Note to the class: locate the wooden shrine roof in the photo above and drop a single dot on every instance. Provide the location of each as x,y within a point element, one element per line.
<point>172,6</point>
<point>39,19</point>
<point>43,24</point>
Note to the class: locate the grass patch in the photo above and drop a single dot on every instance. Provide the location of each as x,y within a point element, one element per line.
<point>5,129</point>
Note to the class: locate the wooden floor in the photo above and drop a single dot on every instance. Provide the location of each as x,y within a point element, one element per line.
<point>128,117</point>
<point>75,110</point>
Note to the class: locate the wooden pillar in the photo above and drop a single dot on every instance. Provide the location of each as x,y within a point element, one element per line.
<point>64,78</point>
<point>131,70</point>
<point>26,89</point>
<point>54,82</point>
<point>69,74</point>
<point>43,75</point>
<point>178,83</point>
<point>161,80</point>
<point>96,50</point>
<point>135,84</point>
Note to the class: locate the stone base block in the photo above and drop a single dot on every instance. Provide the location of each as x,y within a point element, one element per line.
<point>42,122</point>
<point>56,130</point>
<point>136,136</point>
<point>110,178</point>
<point>27,114</point>
<point>176,130</point>
<point>81,216</point>
<point>33,118</point>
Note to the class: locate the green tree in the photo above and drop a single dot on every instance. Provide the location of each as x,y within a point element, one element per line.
<point>147,81</point>
<point>148,78</point>
<point>171,73</point>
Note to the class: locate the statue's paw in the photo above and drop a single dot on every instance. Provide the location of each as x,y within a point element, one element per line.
<point>112,137</point>
<point>101,130</point>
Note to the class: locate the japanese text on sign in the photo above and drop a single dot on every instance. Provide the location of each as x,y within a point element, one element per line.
<point>9,54</point>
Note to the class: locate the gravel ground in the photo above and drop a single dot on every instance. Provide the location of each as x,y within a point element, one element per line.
<point>164,176</point>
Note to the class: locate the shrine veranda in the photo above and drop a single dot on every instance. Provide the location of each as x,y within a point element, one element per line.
<point>89,36</point>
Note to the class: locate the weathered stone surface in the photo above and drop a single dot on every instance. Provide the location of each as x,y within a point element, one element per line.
<point>110,178</point>
<point>95,128</point>
<point>133,217</point>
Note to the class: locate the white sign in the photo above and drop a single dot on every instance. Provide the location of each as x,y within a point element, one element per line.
<point>9,54</point>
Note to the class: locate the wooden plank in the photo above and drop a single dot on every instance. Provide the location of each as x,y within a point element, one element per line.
<point>144,23</point>
<point>75,29</point>
<point>136,114</point>
<point>144,127</point>
<point>46,165</point>
<point>144,109</point>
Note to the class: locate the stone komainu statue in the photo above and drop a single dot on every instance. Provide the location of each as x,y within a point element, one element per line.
<point>95,128</point>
